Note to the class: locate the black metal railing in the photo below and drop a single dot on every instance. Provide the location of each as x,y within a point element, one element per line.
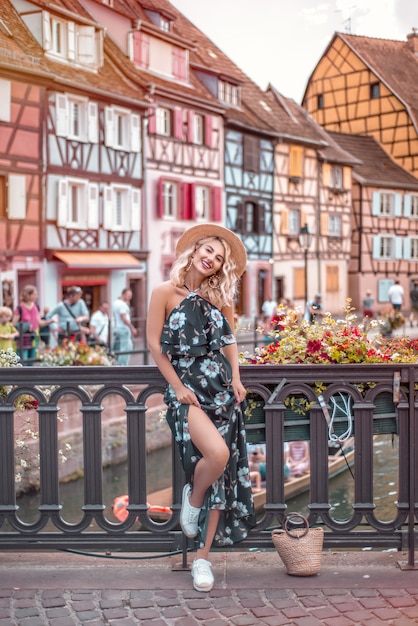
<point>382,397</point>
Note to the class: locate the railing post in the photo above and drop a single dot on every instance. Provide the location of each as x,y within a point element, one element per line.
<point>7,461</point>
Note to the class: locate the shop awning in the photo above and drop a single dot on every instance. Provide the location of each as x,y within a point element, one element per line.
<point>99,260</point>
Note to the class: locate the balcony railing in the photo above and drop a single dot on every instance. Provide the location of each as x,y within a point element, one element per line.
<point>383,400</point>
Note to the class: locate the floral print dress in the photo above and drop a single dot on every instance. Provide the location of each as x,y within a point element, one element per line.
<point>192,337</point>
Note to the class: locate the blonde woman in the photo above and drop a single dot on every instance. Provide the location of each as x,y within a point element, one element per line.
<point>190,338</point>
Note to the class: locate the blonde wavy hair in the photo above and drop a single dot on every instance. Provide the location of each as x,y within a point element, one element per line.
<point>220,296</point>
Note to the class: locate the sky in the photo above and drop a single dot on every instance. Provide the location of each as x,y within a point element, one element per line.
<point>281,41</point>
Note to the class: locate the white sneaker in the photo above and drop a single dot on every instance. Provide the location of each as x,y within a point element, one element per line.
<point>189,515</point>
<point>202,575</point>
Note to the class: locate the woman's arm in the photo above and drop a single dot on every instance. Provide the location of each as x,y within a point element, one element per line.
<point>155,321</point>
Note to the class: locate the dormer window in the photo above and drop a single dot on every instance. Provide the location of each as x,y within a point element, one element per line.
<point>165,24</point>
<point>229,93</point>
<point>79,44</point>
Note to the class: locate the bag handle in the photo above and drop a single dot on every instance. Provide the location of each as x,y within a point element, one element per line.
<point>291,518</point>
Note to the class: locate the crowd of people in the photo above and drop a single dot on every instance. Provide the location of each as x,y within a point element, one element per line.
<point>27,330</point>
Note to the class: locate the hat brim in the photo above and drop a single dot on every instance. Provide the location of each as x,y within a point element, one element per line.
<point>201,231</point>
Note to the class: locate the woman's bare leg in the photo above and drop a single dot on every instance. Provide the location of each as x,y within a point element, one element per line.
<point>215,454</point>
<point>203,553</point>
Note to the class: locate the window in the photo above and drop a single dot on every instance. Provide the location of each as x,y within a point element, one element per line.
<point>71,42</point>
<point>122,208</point>
<point>169,199</point>
<point>320,101</point>
<point>198,133</point>
<point>78,204</point>
<point>76,118</point>
<point>334,226</point>
<point>414,248</point>
<point>294,222</point>
<point>374,91</point>
<point>251,153</point>
<point>410,206</point>
<point>122,129</point>
<point>386,204</point>
<point>414,206</point>
<point>163,122</point>
<point>337,177</point>
<point>202,203</point>
<point>165,24</point>
<point>250,217</point>
<point>388,247</point>
<point>228,93</point>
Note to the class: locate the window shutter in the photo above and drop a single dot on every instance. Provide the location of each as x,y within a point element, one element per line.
<point>208,131</point>
<point>152,121</point>
<point>284,222</point>
<point>193,201</point>
<point>136,209</point>
<point>160,198</point>
<point>5,100</point>
<point>398,247</point>
<point>86,45</point>
<point>326,175</point>
<point>108,208</point>
<point>16,208</point>
<point>303,218</point>
<point>295,161</point>
<point>46,31</point>
<point>62,215</point>
<point>407,248</point>
<point>190,134</point>
<point>93,122</point>
<point>407,205</point>
<point>186,203</point>
<point>324,224</point>
<point>135,133</point>
<point>71,41</point>
<point>62,118</point>
<point>98,37</point>
<point>141,49</point>
<point>216,204</point>
<point>376,203</point>
<point>93,206</point>
<point>376,247</point>
<point>240,223</point>
<point>178,123</point>
<point>109,127</point>
<point>398,204</point>
<point>347,178</point>
<point>260,218</point>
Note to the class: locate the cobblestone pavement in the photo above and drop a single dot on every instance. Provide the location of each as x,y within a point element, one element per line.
<point>251,588</point>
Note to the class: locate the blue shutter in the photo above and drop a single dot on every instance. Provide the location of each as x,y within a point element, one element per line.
<point>376,247</point>
<point>398,204</point>
<point>407,248</point>
<point>398,247</point>
<point>376,203</point>
<point>407,205</point>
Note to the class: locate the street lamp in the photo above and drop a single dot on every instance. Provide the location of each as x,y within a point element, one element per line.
<point>305,240</point>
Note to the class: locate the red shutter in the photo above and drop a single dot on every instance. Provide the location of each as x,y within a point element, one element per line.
<point>208,131</point>
<point>178,123</point>
<point>193,201</point>
<point>152,121</point>
<point>190,116</point>
<point>216,204</point>
<point>185,196</point>
<point>160,198</point>
<point>141,49</point>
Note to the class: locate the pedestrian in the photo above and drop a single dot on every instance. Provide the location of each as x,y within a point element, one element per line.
<point>268,308</point>
<point>27,319</point>
<point>368,308</point>
<point>123,329</point>
<point>313,309</point>
<point>190,338</point>
<point>414,302</point>
<point>73,316</point>
<point>396,295</point>
<point>99,325</point>
<point>8,332</point>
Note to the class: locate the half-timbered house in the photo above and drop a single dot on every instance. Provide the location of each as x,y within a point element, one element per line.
<point>367,86</point>
<point>209,151</point>
<point>384,222</point>
<point>89,220</point>
<point>312,188</point>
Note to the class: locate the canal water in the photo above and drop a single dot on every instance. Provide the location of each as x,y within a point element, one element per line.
<point>341,489</point>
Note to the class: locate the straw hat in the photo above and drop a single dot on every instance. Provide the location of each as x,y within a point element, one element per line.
<point>201,231</point>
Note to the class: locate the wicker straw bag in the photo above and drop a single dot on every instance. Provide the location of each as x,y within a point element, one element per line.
<point>299,548</point>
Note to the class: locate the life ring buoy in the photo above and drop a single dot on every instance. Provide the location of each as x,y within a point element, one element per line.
<point>120,504</point>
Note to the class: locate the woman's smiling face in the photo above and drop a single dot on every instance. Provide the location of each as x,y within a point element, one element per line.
<point>209,256</point>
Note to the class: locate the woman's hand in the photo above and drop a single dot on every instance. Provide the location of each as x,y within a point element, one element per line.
<point>186,396</point>
<point>239,390</point>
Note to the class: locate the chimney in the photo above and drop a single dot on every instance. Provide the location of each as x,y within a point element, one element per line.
<point>412,40</point>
